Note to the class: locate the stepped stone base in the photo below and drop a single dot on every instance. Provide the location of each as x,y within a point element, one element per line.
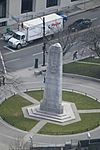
<point>70,113</point>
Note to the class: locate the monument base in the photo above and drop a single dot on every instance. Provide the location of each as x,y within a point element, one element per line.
<point>69,114</point>
<point>52,108</point>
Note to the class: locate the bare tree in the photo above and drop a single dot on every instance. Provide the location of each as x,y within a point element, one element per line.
<point>92,40</point>
<point>8,83</point>
<point>17,144</point>
<point>65,38</point>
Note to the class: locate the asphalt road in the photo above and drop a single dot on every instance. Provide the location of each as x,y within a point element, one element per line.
<point>91,14</point>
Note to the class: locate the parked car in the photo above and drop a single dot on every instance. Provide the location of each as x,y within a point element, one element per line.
<point>79,25</point>
<point>7,35</point>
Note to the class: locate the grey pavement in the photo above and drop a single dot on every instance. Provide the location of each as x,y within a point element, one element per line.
<point>36,82</point>
<point>90,111</point>
<point>82,5</point>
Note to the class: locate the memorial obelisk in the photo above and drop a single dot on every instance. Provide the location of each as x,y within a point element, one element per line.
<point>52,98</point>
<point>51,107</point>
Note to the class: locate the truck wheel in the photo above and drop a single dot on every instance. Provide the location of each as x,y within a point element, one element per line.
<point>19,46</point>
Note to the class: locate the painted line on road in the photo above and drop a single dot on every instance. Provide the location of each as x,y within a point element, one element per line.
<point>27,47</point>
<point>9,48</point>
<point>37,54</point>
<point>17,59</point>
<point>22,49</point>
<point>94,19</point>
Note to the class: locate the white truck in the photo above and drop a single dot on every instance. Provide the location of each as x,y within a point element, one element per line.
<point>33,29</point>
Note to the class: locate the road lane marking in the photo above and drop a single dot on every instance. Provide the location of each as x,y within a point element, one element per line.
<point>22,49</point>
<point>17,59</point>
<point>37,54</point>
<point>9,48</point>
<point>94,19</point>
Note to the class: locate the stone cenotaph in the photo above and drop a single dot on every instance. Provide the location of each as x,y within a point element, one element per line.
<point>51,107</point>
<point>52,98</point>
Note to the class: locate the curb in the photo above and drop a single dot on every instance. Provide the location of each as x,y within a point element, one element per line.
<point>11,127</point>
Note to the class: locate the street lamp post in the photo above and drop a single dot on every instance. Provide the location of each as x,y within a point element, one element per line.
<point>44,42</point>
<point>89,137</point>
<point>31,140</point>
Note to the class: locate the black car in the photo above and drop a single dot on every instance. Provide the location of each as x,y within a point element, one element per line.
<point>80,24</point>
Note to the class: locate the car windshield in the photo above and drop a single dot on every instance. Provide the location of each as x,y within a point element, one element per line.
<point>78,21</point>
<point>16,36</point>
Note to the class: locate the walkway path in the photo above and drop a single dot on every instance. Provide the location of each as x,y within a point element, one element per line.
<point>89,63</point>
<point>34,131</point>
<point>29,98</point>
<point>89,111</point>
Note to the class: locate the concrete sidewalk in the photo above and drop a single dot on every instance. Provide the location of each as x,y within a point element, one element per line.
<point>81,6</point>
<point>89,4</point>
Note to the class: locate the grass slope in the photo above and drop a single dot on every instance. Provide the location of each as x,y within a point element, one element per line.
<point>10,111</point>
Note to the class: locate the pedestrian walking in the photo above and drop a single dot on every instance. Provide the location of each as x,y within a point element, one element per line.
<point>44,80</point>
<point>3,80</point>
<point>75,55</point>
<point>0,82</point>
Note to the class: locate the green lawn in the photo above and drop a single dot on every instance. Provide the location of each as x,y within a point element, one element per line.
<point>38,94</point>
<point>10,111</point>
<point>88,122</point>
<point>82,69</point>
<point>92,60</point>
<point>81,101</point>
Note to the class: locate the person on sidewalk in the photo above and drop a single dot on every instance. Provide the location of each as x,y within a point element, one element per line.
<point>75,55</point>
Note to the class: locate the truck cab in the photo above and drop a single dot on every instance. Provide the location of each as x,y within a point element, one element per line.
<point>18,40</point>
